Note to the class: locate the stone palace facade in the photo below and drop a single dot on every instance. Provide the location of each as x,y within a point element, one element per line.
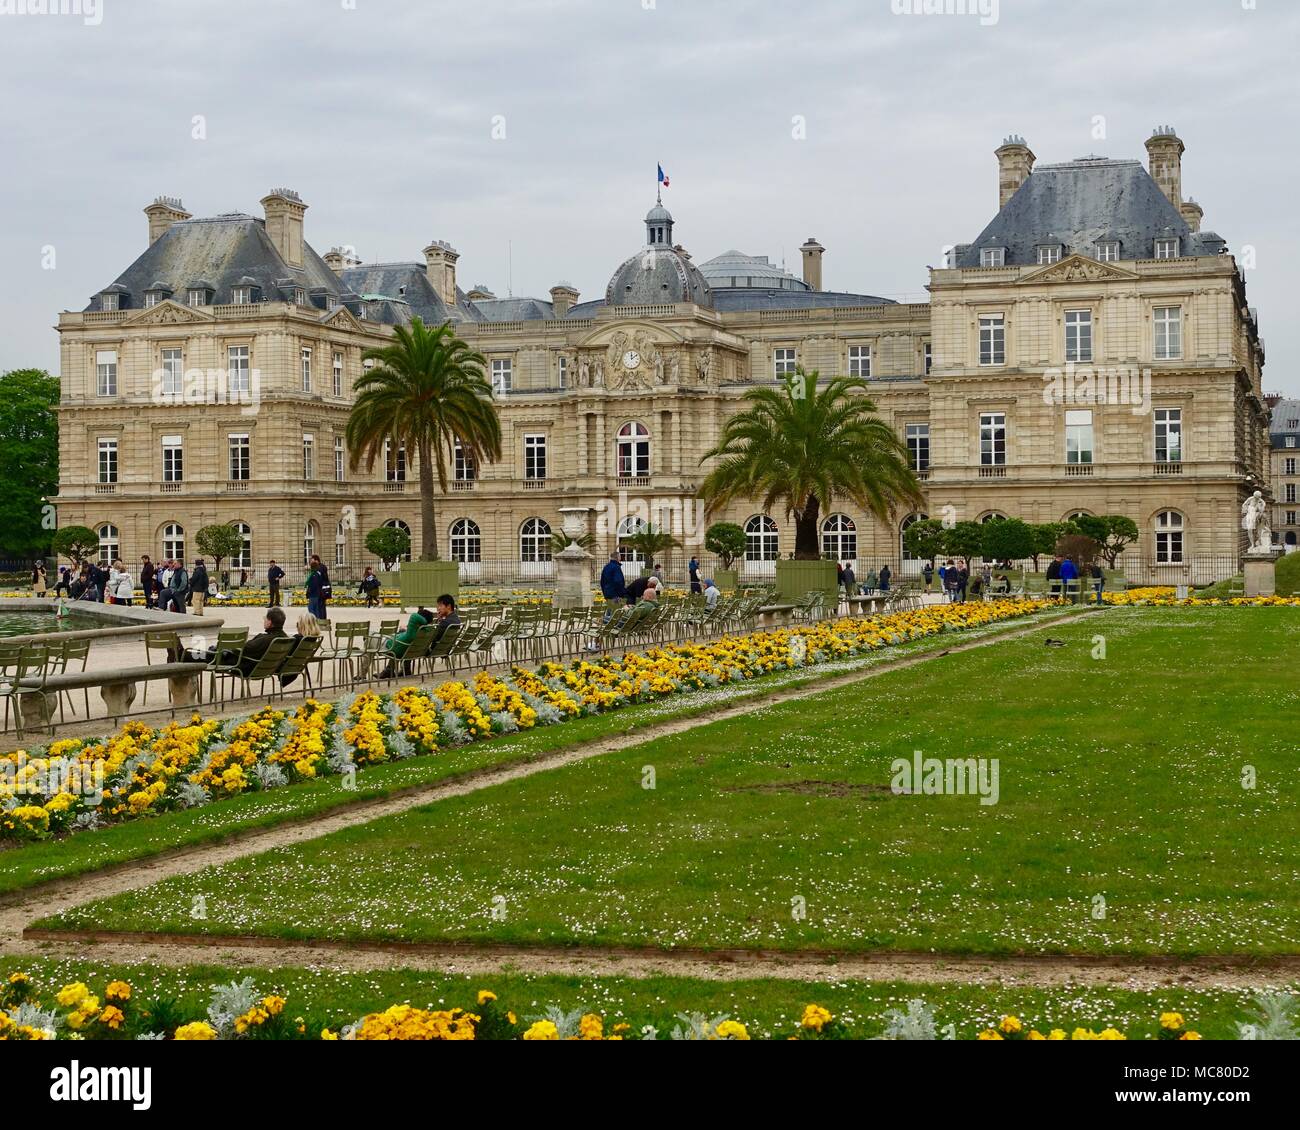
<point>1091,350</point>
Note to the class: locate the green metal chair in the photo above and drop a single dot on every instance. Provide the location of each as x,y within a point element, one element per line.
<point>166,641</point>
<point>24,671</point>
<point>297,664</point>
<point>226,658</point>
<point>267,665</point>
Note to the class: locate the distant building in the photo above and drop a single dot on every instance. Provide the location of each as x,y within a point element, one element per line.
<point>1091,350</point>
<point>1284,469</point>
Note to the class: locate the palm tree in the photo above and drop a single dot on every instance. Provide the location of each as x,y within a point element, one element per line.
<point>560,541</point>
<point>803,446</point>
<point>425,392</point>
<point>650,541</point>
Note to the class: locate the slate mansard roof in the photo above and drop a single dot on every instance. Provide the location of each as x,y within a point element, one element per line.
<point>1284,411</point>
<point>1079,203</point>
<point>221,252</point>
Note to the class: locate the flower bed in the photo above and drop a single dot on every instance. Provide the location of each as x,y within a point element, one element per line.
<point>238,1011</point>
<point>76,784</point>
<point>1163,595</point>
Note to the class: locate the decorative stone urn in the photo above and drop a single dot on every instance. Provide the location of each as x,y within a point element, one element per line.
<point>573,563</point>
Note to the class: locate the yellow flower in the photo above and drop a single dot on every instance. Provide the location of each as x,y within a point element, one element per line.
<point>731,1030</point>
<point>18,978</point>
<point>1112,1034</point>
<point>118,991</point>
<point>72,994</point>
<point>1056,1034</point>
<point>326,1034</point>
<point>1171,1020</point>
<point>542,1030</point>
<point>591,1027</point>
<point>485,995</point>
<point>273,1005</point>
<point>1190,1035</point>
<point>989,1034</point>
<point>815,1017</point>
<point>112,1016</point>
<point>199,1030</point>
<point>1010,1025</point>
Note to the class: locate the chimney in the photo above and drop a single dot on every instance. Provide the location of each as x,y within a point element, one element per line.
<point>1192,213</point>
<point>284,212</point>
<point>1165,163</point>
<point>162,213</point>
<point>812,263</point>
<point>563,296</point>
<point>1015,163</point>
<point>339,259</point>
<point>440,265</point>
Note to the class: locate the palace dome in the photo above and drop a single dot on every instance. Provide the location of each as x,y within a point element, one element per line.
<point>659,274</point>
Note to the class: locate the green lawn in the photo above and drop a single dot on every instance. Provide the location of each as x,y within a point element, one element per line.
<point>22,865</point>
<point>769,1008</point>
<point>1120,780</point>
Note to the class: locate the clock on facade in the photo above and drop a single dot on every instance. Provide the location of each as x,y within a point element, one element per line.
<point>631,359</point>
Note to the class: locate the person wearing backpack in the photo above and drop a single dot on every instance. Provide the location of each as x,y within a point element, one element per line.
<point>319,590</point>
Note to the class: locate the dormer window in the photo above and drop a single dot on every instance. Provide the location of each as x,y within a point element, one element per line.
<point>1108,250</point>
<point>108,302</point>
<point>241,295</point>
<point>1049,253</point>
<point>993,257</point>
<point>198,297</point>
<point>299,296</point>
<point>152,298</point>
<point>199,293</point>
<point>1167,248</point>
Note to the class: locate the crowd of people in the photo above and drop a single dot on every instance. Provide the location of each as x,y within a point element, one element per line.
<point>168,586</point>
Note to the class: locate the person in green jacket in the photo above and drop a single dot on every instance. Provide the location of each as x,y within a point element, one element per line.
<point>397,646</point>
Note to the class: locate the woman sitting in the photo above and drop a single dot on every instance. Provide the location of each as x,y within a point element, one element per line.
<point>397,646</point>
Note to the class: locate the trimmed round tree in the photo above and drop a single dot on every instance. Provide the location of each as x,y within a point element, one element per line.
<point>925,539</point>
<point>389,544</point>
<point>219,542</point>
<point>77,543</point>
<point>726,541</point>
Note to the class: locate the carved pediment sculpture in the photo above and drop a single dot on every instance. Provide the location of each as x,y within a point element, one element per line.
<point>1077,268</point>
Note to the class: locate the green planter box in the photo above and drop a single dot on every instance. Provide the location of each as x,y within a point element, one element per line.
<point>422,582</point>
<point>796,578</point>
<point>726,579</point>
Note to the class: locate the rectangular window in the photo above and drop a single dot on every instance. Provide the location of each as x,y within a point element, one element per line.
<point>465,470</point>
<point>198,297</point>
<point>929,358</point>
<point>1289,492</point>
<point>1108,250</point>
<point>564,372</point>
<point>108,460</point>
<point>173,459</point>
<point>1048,255</point>
<point>993,339</point>
<point>860,361</point>
<point>1290,518</point>
<point>993,257</point>
<point>1166,249</point>
<point>1168,322</point>
<point>918,446</point>
<point>173,371</point>
<point>1078,335</point>
<point>1290,441</point>
<point>241,296</point>
<point>1288,466</point>
<point>339,459</point>
<point>783,362</point>
<point>306,370</point>
<point>108,301</point>
<point>237,368</point>
<point>1078,435</point>
<point>993,439</point>
<point>240,456</point>
<point>395,462</point>
<point>534,457</point>
<point>338,374</point>
<point>1169,435</point>
<point>502,375</point>
<point>308,457</point>
<point>152,298</point>
<point>106,372</point>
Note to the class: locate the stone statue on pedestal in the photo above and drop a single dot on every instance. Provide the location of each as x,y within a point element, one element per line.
<point>1254,520</point>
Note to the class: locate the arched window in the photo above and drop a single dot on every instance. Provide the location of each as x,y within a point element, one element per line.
<point>1073,514</point>
<point>1169,538</point>
<point>244,558</point>
<point>341,544</point>
<point>626,528</point>
<point>633,451</point>
<point>993,516</point>
<point>534,540</point>
<point>173,539</point>
<point>308,541</point>
<point>398,524</point>
<point>762,539</point>
<point>110,544</point>
<point>466,541</point>
<point>839,538</point>
<point>910,520</point>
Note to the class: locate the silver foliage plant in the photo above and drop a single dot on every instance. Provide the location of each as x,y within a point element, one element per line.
<point>917,1023</point>
<point>229,1002</point>
<point>698,1026</point>
<point>1276,1018</point>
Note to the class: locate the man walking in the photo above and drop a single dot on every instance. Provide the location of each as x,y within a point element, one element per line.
<point>613,586</point>
<point>274,575</point>
<point>885,574</point>
<point>1069,572</point>
<point>178,587</point>
<point>1054,576</point>
<point>318,588</point>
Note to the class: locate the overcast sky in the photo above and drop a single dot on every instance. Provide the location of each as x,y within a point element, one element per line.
<point>381,113</point>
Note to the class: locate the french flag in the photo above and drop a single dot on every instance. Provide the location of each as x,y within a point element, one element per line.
<point>663,177</point>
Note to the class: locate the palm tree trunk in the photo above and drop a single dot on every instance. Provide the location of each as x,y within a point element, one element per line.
<point>807,546</point>
<point>428,522</point>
